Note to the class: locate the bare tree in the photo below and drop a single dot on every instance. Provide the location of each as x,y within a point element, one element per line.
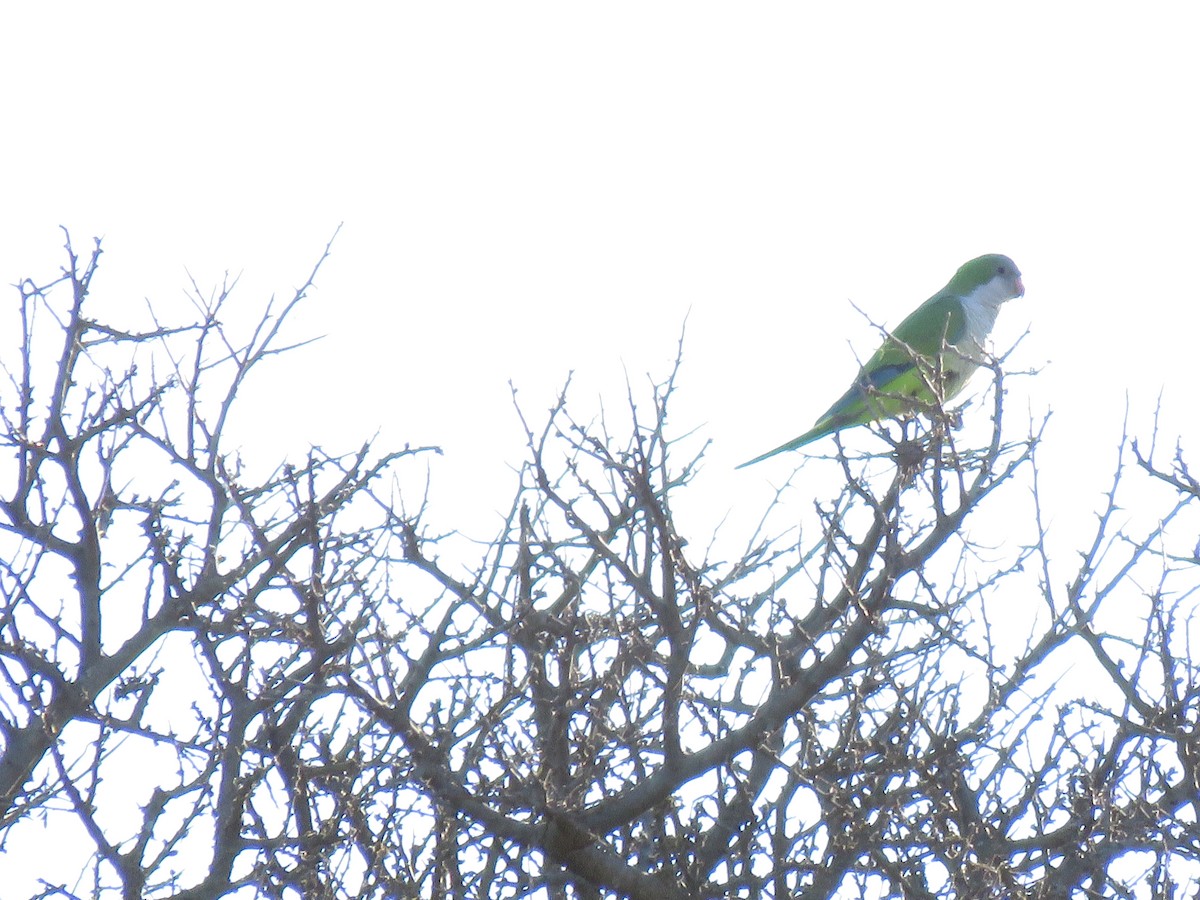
<point>299,686</point>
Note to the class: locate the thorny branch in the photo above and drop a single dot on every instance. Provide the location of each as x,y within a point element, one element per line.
<point>307,687</point>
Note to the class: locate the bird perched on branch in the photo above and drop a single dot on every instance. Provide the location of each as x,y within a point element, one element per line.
<point>928,358</point>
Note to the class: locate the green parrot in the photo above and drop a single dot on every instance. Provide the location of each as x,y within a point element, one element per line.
<point>945,333</point>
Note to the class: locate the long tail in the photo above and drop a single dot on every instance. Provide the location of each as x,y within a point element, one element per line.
<point>817,431</point>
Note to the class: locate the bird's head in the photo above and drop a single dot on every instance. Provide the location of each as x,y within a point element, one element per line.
<point>995,270</point>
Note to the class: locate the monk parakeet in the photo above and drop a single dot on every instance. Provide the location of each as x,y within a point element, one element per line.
<point>939,344</point>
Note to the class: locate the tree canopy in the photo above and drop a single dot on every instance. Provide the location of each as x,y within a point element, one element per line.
<point>221,680</point>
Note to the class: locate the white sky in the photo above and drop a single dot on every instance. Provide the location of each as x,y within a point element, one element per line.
<point>533,188</point>
<point>530,188</point>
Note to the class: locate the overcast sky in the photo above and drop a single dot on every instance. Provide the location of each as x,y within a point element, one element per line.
<point>530,189</point>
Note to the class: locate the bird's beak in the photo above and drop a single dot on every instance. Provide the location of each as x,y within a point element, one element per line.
<point>1020,287</point>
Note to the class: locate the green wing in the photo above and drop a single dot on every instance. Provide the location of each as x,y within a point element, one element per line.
<point>889,382</point>
<point>892,372</point>
<point>940,318</point>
